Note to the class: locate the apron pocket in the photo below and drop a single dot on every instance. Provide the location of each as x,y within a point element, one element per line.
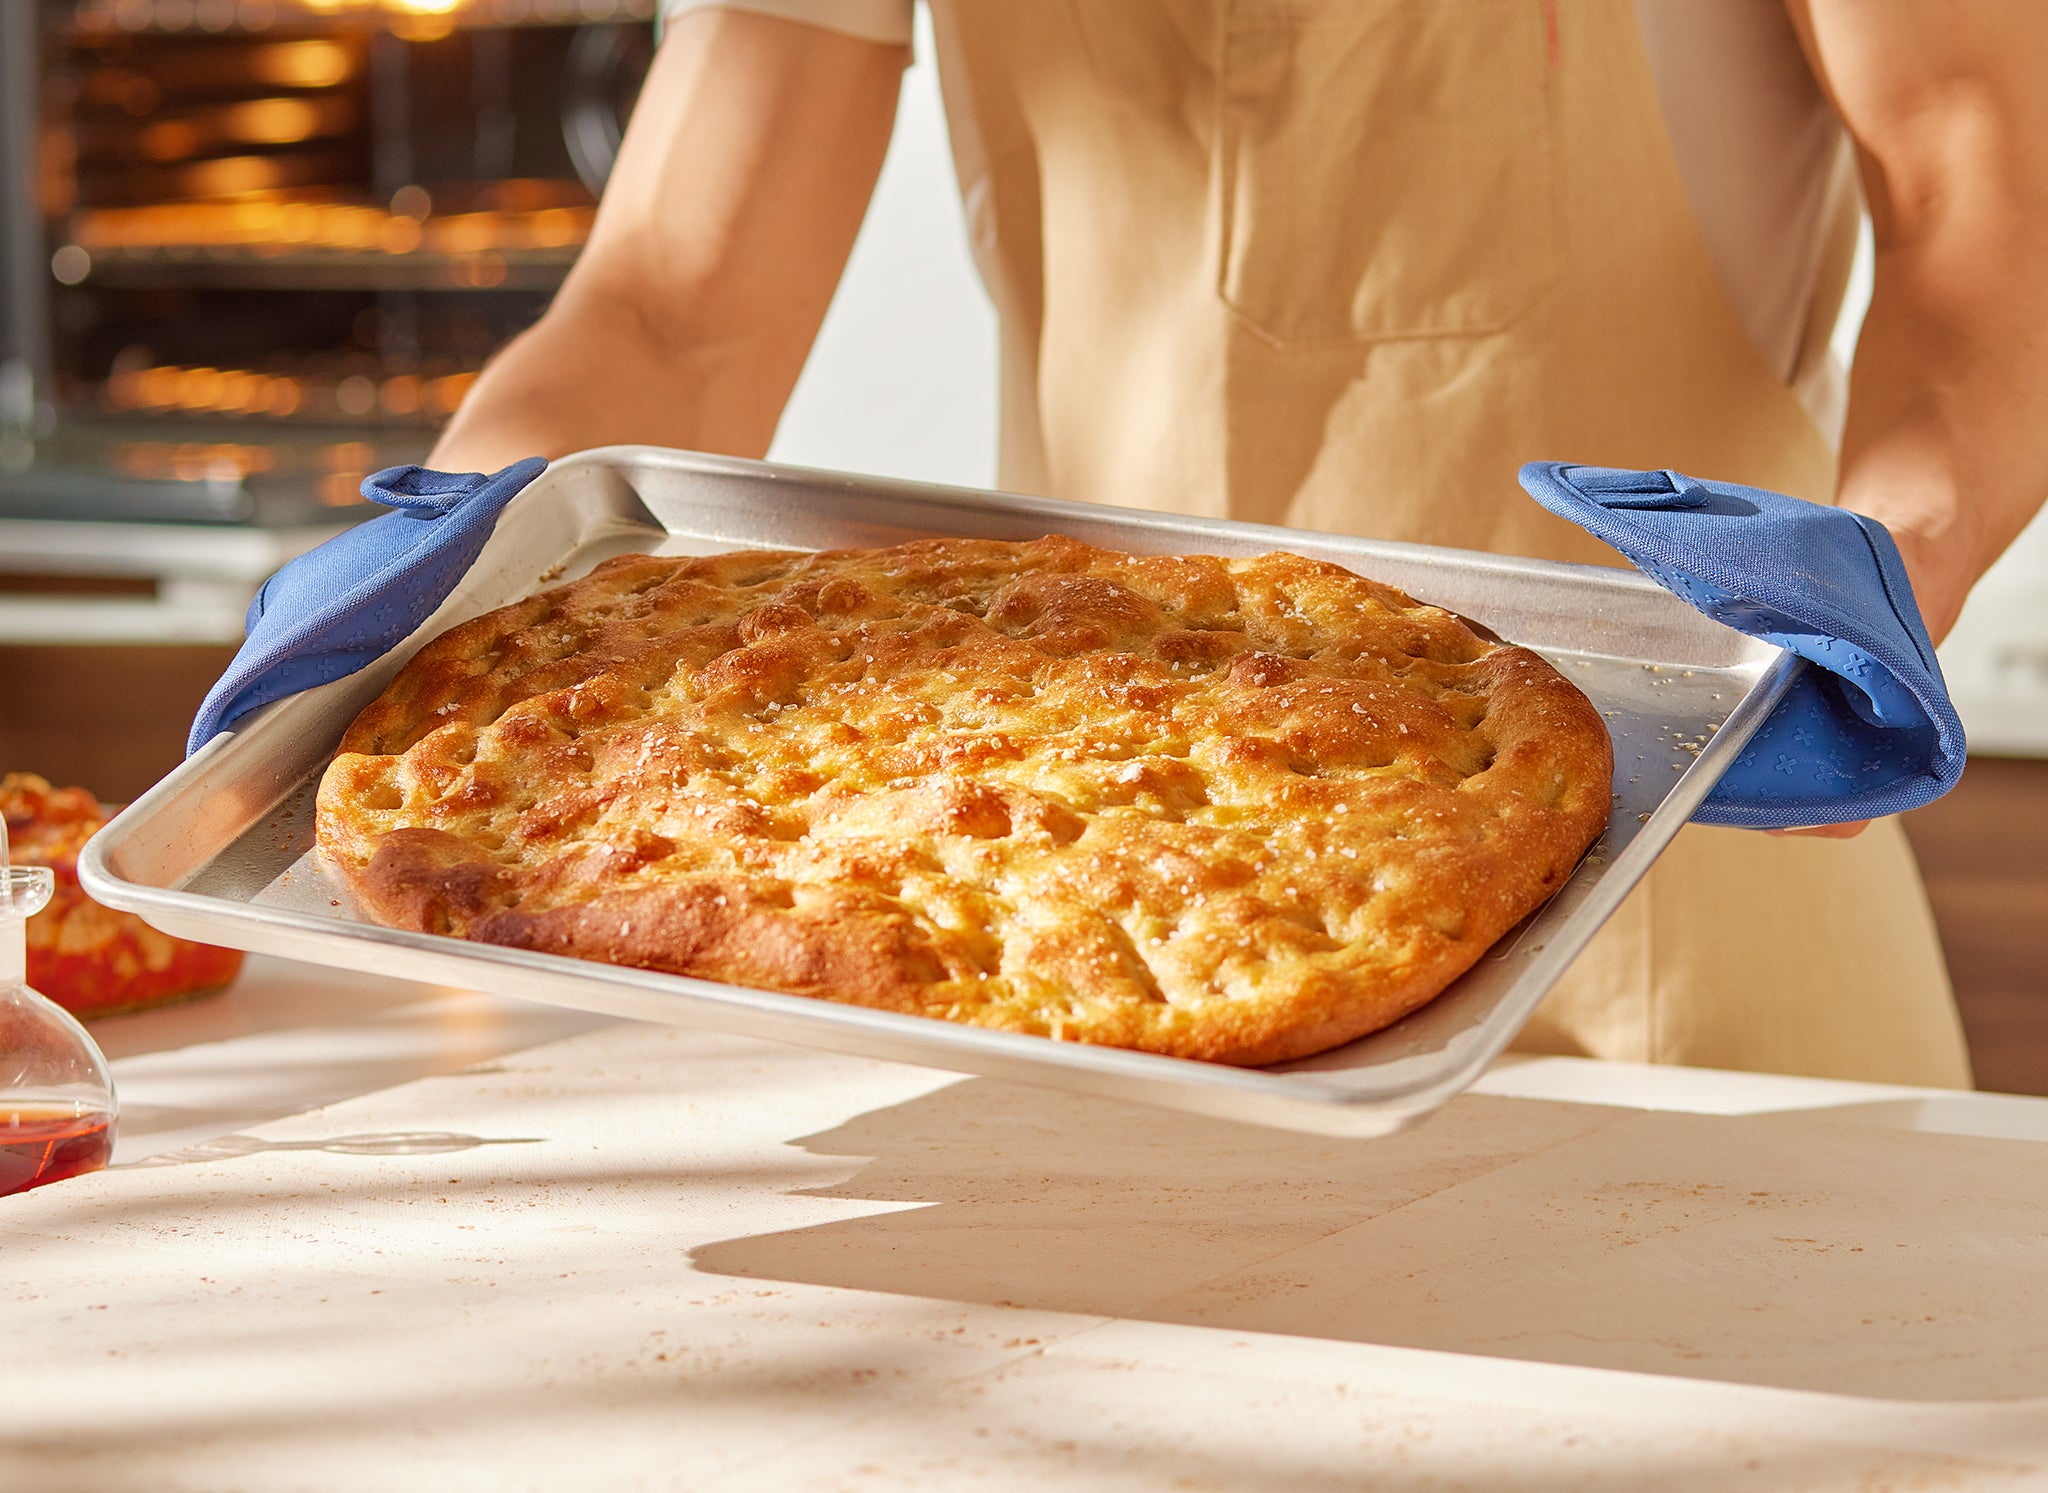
<point>1384,166</point>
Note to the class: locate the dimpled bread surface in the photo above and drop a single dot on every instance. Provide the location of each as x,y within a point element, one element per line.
<point>1235,810</point>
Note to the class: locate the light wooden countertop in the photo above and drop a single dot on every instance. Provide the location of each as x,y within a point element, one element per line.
<point>646,1257</point>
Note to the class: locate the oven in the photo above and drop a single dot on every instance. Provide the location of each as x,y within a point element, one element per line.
<point>255,249</point>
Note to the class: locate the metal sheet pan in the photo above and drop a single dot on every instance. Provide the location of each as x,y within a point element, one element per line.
<point>220,850</point>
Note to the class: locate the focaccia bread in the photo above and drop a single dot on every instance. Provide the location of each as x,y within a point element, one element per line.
<point>1238,810</point>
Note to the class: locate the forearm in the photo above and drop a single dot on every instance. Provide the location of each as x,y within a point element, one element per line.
<point>1947,440</point>
<point>735,200</point>
<point>599,375</point>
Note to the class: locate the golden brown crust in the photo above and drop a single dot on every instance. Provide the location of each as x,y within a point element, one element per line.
<point>1238,810</point>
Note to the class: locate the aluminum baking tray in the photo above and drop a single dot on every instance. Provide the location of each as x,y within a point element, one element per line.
<point>220,849</point>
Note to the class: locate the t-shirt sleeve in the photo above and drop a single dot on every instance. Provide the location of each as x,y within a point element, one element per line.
<point>872,20</point>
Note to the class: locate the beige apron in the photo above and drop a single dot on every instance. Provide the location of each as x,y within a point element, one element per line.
<point>1346,264</point>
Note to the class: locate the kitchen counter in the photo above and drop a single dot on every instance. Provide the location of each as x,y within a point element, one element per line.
<point>202,575</point>
<point>635,1256</point>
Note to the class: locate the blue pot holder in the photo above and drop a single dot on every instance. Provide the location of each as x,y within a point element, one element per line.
<point>1868,730</point>
<point>337,607</point>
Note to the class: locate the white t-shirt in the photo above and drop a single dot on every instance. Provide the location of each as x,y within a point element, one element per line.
<point>1756,141</point>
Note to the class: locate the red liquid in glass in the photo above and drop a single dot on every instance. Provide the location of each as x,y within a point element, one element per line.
<point>48,1145</point>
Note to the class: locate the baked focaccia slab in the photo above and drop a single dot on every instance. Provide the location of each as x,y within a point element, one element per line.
<point>1237,810</point>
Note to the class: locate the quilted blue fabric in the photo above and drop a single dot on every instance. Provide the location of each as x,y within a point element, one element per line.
<point>349,601</point>
<point>1868,730</point>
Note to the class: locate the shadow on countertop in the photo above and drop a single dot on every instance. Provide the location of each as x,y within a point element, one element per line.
<point>1785,1250</point>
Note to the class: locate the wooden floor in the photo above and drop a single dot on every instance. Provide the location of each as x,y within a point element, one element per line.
<point>1984,852</point>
